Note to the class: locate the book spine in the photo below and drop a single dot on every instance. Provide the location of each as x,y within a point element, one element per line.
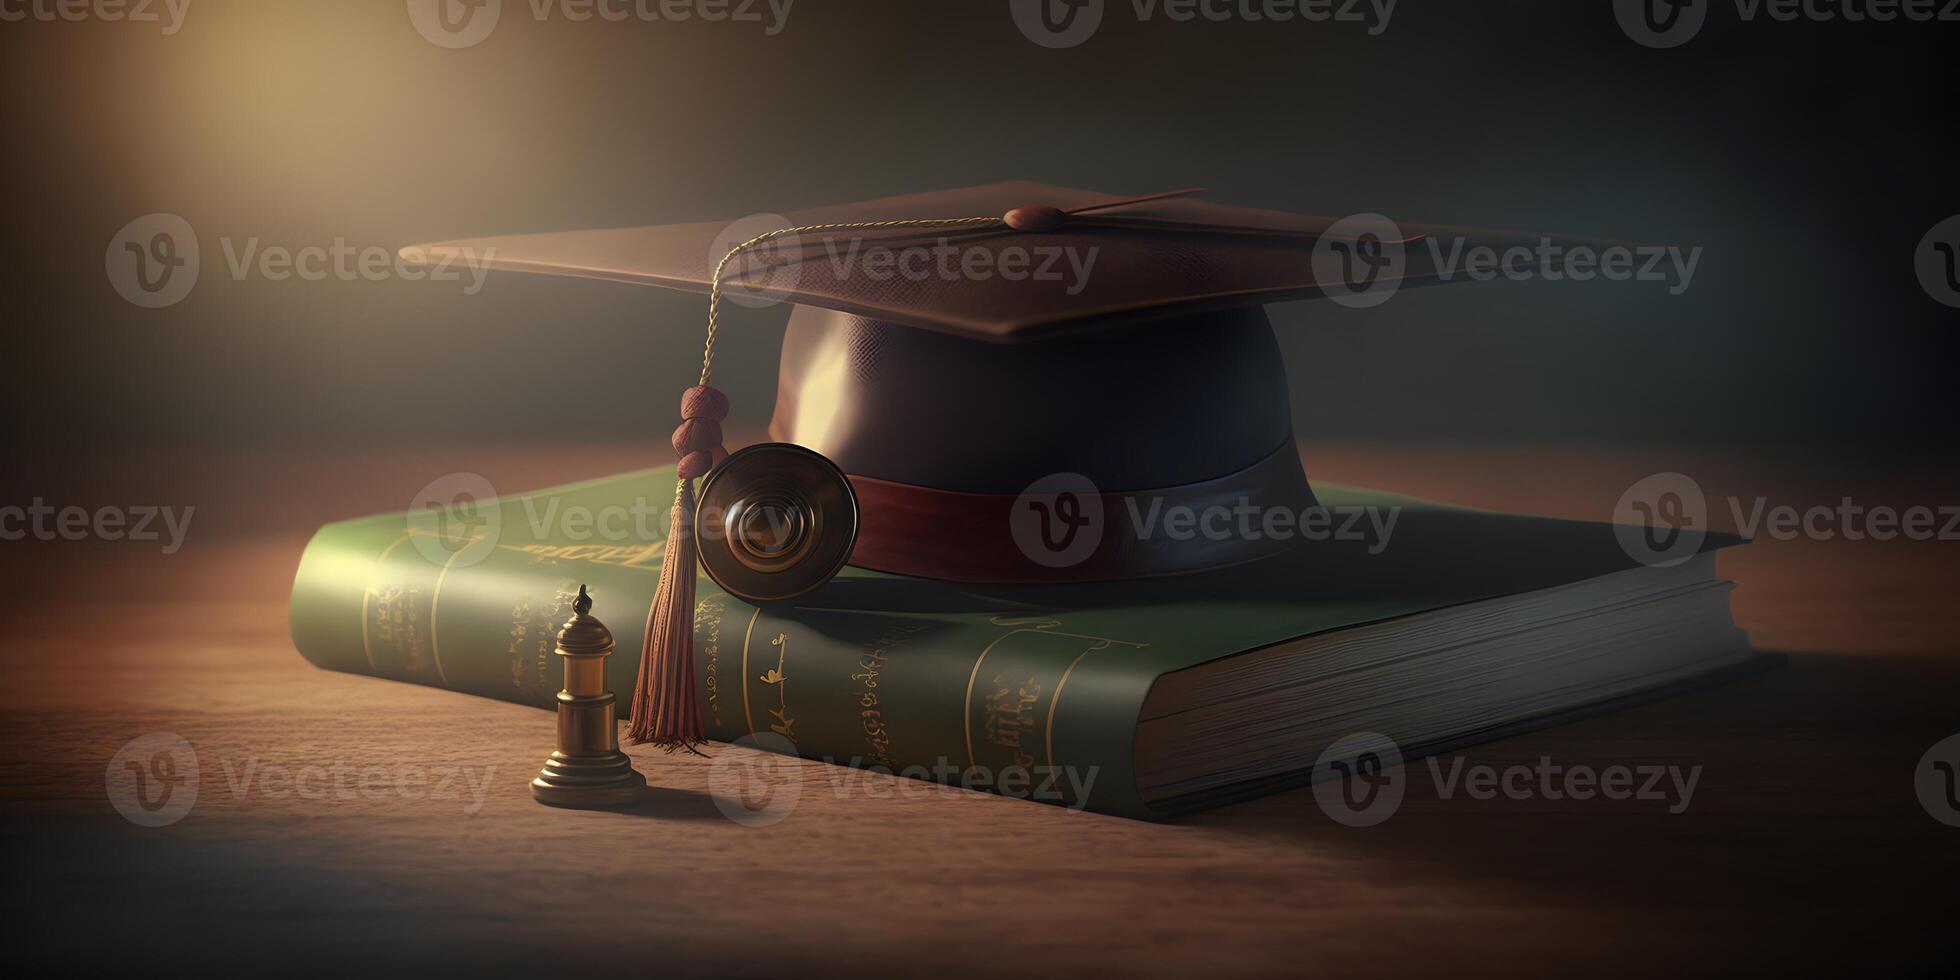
<point>986,702</point>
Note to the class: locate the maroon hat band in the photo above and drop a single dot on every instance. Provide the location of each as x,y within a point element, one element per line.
<point>1064,529</point>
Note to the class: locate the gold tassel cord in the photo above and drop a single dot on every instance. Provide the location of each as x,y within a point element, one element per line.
<point>714,280</point>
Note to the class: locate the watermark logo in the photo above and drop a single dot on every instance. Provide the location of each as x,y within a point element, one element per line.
<point>945,261</point>
<point>765,273</point>
<point>1661,23</point>
<point>1673,786</point>
<point>454,520</point>
<point>152,779</point>
<point>1359,261</point>
<point>759,783</point>
<point>343,261</point>
<point>1067,23</point>
<point>758,780</point>
<point>341,781</point>
<point>455,24</point>
<point>1937,262</point>
<point>1457,258</point>
<point>763,261</point>
<point>1058,23</point>
<point>1057,522</point>
<point>467,23</point>
<point>43,521</point>
<point>169,13</point>
<point>1937,780</point>
<point>1661,520</point>
<point>1368,779</point>
<point>1672,23</point>
<point>153,261</point>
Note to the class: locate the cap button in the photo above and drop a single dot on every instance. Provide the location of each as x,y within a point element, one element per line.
<point>1035,218</point>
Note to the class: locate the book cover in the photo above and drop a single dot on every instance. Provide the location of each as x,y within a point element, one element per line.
<point>1027,691</point>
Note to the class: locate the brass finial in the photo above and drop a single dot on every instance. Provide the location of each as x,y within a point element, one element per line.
<point>588,769</point>
<point>583,633</point>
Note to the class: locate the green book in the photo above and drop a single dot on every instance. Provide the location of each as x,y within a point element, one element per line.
<point>1429,624</point>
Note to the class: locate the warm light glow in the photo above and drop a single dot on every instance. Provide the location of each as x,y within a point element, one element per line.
<point>821,407</point>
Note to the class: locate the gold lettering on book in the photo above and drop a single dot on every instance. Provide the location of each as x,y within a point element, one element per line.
<point>707,620</point>
<point>399,627</point>
<point>520,630</point>
<point>367,600</point>
<point>997,700</point>
<point>626,556</point>
<point>1010,715</point>
<point>871,715</point>
<point>785,725</point>
<point>532,637</point>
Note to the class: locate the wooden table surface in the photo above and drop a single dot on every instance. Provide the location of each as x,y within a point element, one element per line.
<point>1805,848</point>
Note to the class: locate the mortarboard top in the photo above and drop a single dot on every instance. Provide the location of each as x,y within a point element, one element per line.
<point>1190,390</point>
<point>1152,258</point>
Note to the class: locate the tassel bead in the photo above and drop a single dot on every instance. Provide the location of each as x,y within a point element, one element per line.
<point>703,402</point>
<point>695,465</point>
<point>696,436</point>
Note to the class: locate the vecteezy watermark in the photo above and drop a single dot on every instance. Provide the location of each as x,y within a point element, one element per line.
<point>454,520</point>
<point>1361,780</point>
<point>467,23</point>
<point>1553,262</point>
<point>1057,522</point>
<point>43,521</point>
<point>154,780</point>
<point>1937,260</point>
<point>1067,23</point>
<point>1661,23</point>
<point>1361,260</point>
<point>168,14</point>
<point>1662,519</point>
<point>1937,781</point>
<point>341,781</point>
<point>1672,23</point>
<point>1667,784</point>
<point>1062,520</point>
<point>763,258</point>
<point>455,23</point>
<point>154,261</point>
<point>758,780</point>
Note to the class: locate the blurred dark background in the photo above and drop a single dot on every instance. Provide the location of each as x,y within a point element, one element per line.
<point>1808,160</point>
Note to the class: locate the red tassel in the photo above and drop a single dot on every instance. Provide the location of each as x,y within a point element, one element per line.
<point>665,709</point>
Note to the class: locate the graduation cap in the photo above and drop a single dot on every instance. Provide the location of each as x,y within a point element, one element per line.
<point>970,377</point>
